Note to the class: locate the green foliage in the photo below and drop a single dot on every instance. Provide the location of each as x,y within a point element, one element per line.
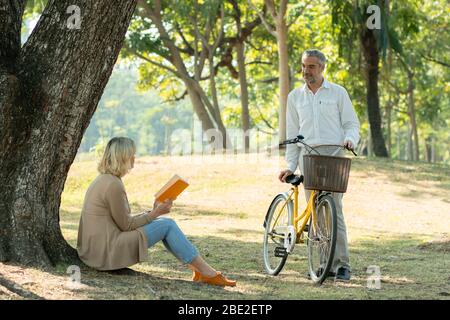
<point>124,111</point>
<point>413,31</point>
<point>34,7</point>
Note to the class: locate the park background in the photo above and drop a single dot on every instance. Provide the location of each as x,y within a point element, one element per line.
<point>240,60</point>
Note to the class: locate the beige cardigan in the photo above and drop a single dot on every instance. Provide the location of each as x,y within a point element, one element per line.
<point>109,237</point>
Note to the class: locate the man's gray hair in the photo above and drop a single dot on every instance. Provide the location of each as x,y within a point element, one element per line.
<point>315,53</point>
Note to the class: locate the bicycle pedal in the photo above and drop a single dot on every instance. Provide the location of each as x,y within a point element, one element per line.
<point>280,252</point>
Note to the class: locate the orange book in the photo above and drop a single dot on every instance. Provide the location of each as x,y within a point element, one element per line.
<point>172,189</point>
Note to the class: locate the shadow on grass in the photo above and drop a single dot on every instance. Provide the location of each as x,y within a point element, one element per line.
<point>243,232</point>
<point>193,211</point>
<point>404,263</point>
<point>408,173</point>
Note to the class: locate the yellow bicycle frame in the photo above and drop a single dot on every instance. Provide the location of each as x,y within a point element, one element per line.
<point>304,217</point>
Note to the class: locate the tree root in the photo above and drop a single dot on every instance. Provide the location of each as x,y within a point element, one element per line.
<point>17,289</point>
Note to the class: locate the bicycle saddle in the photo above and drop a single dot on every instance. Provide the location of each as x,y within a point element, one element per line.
<point>294,179</point>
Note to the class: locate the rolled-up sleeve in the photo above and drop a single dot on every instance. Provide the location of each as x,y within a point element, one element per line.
<point>117,201</point>
<point>349,119</point>
<point>292,130</point>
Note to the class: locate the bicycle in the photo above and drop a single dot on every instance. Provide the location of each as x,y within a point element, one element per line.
<point>284,227</point>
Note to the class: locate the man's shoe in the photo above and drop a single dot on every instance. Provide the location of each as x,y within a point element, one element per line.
<point>342,274</point>
<point>319,272</point>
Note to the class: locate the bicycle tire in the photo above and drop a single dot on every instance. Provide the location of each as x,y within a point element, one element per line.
<point>314,234</point>
<point>278,264</point>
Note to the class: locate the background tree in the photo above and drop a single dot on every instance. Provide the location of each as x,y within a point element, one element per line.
<point>278,14</point>
<point>242,33</point>
<point>351,21</point>
<point>183,55</point>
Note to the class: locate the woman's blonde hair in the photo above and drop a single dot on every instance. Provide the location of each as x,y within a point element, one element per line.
<point>116,159</point>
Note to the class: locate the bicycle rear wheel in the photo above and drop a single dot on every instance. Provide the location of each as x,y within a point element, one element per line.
<point>322,237</point>
<point>274,234</point>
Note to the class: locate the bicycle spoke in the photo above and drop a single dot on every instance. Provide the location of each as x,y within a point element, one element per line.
<point>277,223</point>
<point>320,240</point>
<point>277,242</point>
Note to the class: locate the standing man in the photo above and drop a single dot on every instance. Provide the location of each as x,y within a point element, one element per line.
<point>322,112</point>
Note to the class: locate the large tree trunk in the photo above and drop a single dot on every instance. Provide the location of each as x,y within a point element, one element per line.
<point>371,55</point>
<point>49,91</point>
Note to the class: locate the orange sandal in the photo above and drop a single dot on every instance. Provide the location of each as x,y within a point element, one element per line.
<point>217,280</point>
<point>196,276</point>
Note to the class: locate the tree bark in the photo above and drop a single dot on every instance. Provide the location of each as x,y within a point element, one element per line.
<point>240,53</point>
<point>369,146</point>
<point>409,146</point>
<point>240,49</point>
<point>49,90</point>
<point>433,149</point>
<point>371,55</point>
<point>389,120</point>
<point>283,71</point>
<point>10,24</point>
<point>428,149</point>
<point>199,109</point>
<point>412,116</point>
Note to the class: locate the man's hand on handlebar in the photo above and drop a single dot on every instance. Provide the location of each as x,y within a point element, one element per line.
<point>284,174</point>
<point>348,144</point>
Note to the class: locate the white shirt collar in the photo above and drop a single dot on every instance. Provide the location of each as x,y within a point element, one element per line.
<point>325,84</point>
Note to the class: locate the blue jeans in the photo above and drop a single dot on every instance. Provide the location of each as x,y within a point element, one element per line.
<point>173,238</point>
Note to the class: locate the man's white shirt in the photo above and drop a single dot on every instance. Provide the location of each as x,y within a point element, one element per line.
<point>327,117</point>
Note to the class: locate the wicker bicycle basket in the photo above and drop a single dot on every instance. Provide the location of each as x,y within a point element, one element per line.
<point>326,173</point>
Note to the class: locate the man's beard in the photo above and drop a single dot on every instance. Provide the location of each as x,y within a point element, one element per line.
<point>309,79</point>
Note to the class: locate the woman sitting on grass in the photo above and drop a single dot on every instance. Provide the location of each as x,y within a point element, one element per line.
<point>110,238</point>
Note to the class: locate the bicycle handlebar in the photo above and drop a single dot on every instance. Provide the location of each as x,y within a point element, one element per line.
<point>299,139</point>
<point>295,140</point>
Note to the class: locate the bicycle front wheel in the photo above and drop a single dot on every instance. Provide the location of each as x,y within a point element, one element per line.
<point>279,218</point>
<point>322,237</point>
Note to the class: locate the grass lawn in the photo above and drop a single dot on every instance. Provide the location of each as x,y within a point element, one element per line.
<point>397,216</point>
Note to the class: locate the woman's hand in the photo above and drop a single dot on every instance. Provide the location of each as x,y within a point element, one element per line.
<point>160,208</point>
